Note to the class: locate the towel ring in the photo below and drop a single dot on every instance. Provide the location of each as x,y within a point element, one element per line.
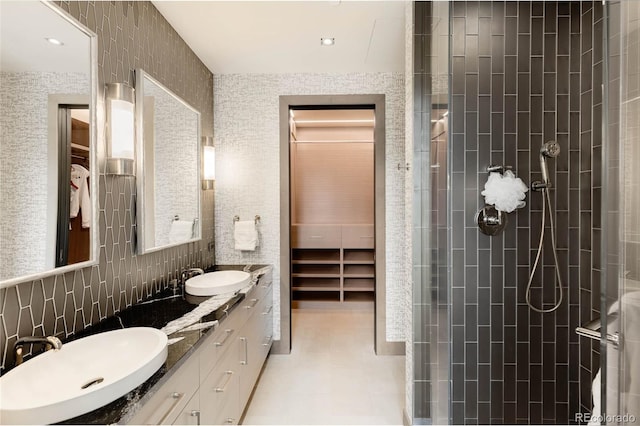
<point>236,218</point>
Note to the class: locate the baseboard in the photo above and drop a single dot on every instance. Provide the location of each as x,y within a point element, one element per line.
<point>390,348</point>
<point>277,348</point>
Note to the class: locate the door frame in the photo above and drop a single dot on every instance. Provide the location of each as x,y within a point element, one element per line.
<point>283,346</point>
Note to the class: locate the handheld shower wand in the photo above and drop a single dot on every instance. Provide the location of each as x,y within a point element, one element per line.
<point>550,149</point>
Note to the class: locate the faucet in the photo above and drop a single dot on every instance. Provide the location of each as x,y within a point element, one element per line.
<point>49,342</point>
<point>191,272</point>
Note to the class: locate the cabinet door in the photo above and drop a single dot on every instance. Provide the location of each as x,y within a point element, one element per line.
<point>190,414</point>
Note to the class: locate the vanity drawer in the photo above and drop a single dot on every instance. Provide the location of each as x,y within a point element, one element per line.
<point>315,236</point>
<point>220,391</point>
<point>220,341</point>
<point>171,398</point>
<point>358,236</point>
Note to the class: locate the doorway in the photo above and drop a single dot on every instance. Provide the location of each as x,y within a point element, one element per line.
<point>73,241</point>
<point>373,103</point>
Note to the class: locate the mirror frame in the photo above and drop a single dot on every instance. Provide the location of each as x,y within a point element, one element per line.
<point>94,246</point>
<point>141,182</point>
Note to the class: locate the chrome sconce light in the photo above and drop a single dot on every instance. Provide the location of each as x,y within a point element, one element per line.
<point>120,131</point>
<point>208,162</point>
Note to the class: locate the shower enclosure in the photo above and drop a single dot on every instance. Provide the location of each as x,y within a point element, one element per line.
<point>493,83</point>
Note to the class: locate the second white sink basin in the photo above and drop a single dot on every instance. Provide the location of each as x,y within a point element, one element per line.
<point>219,282</point>
<point>83,375</point>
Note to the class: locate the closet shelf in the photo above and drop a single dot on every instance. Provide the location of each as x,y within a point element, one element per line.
<point>359,262</point>
<point>310,288</point>
<point>315,262</point>
<point>356,275</point>
<point>314,275</point>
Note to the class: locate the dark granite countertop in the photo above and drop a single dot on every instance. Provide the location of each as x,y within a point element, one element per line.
<point>157,312</point>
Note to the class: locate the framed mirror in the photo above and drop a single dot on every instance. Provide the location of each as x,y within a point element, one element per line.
<point>168,167</point>
<point>48,173</point>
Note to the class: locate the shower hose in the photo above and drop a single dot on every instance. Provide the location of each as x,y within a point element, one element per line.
<point>546,199</point>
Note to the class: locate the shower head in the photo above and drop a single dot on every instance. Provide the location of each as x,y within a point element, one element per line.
<point>550,149</point>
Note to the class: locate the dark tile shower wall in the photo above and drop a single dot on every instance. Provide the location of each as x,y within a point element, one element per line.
<point>130,35</point>
<point>524,73</point>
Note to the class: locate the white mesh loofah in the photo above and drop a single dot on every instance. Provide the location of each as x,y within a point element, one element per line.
<point>506,192</point>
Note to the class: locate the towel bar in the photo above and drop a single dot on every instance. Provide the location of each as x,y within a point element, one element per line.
<point>592,330</point>
<point>236,218</point>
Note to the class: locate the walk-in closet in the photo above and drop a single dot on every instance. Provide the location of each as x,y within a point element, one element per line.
<point>332,207</point>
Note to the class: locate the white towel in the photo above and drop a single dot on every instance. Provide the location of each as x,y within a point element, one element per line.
<point>181,230</point>
<point>245,235</point>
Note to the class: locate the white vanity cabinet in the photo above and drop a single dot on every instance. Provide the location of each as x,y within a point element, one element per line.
<point>213,385</point>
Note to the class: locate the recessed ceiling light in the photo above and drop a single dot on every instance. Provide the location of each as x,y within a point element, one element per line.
<point>327,41</point>
<point>54,41</point>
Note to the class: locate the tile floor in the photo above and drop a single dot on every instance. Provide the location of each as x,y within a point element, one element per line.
<point>332,375</point>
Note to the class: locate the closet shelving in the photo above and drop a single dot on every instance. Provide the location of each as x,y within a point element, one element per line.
<point>342,273</point>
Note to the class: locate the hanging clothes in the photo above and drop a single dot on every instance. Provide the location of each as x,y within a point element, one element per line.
<point>80,194</point>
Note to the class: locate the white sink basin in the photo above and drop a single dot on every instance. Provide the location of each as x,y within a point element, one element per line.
<point>49,387</point>
<point>213,283</point>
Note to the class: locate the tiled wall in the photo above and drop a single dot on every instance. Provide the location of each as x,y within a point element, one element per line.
<point>130,35</point>
<point>524,73</point>
<point>248,175</point>
<point>26,94</point>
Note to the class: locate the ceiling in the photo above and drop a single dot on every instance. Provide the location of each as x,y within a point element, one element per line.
<point>284,36</point>
<point>22,41</point>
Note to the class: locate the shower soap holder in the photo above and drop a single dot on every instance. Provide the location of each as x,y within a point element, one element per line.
<point>491,221</point>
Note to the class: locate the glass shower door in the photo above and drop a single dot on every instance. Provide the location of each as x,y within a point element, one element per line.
<point>620,294</point>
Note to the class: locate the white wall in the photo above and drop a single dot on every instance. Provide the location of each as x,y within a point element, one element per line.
<point>246,133</point>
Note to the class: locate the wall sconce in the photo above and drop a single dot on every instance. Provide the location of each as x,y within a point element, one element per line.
<point>120,102</point>
<point>208,162</point>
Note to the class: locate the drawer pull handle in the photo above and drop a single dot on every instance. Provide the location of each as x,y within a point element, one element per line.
<point>230,421</point>
<point>269,339</point>
<point>177,397</point>
<point>228,333</point>
<point>268,311</point>
<point>223,388</point>
<point>254,302</point>
<point>196,414</point>
<point>246,351</point>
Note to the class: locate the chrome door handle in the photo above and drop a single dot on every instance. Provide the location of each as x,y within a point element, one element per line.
<point>228,332</point>
<point>223,388</point>
<point>268,311</point>
<point>246,351</point>
<point>177,397</point>
<point>196,414</point>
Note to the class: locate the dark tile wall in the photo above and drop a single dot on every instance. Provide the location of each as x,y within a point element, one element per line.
<point>524,73</point>
<point>130,35</point>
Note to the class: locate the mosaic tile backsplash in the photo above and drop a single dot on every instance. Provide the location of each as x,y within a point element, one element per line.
<point>130,35</point>
<point>246,130</point>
